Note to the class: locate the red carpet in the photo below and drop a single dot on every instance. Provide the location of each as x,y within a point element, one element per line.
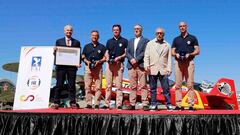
<point>115,111</point>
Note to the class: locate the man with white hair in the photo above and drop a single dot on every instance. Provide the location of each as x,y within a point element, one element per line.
<point>157,63</point>
<point>64,72</point>
<point>135,54</point>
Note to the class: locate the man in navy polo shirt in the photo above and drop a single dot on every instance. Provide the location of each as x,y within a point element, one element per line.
<point>93,56</point>
<point>184,48</point>
<point>115,54</point>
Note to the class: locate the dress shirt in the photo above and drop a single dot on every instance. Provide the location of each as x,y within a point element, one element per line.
<point>136,40</point>
<point>68,41</point>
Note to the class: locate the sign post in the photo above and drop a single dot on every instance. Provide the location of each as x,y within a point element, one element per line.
<point>34,77</point>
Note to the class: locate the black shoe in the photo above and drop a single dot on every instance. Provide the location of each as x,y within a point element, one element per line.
<point>146,108</point>
<point>119,107</point>
<point>178,108</point>
<point>74,105</point>
<point>104,107</point>
<point>130,107</point>
<point>96,106</point>
<point>191,109</point>
<point>88,107</point>
<point>55,106</point>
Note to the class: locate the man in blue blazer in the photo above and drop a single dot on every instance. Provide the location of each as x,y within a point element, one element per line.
<point>135,54</point>
<point>64,72</point>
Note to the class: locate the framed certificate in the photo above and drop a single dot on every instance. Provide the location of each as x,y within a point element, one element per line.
<point>69,56</point>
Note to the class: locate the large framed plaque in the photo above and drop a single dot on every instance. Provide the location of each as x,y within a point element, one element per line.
<point>69,56</point>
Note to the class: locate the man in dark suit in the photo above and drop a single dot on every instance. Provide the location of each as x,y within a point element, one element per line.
<point>64,72</point>
<point>135,54</point>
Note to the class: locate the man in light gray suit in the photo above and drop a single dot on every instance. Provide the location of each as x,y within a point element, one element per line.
<point>157,63</point>
<point>135,54</point>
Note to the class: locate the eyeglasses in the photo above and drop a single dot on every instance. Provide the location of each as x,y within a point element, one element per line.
<point>159,33</point>
<point>182,25</point>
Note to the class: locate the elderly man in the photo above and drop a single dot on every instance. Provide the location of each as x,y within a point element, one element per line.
<point>184,48</point>
<point>69,72</point>
<point>135,54</point>
<point>157,63</point>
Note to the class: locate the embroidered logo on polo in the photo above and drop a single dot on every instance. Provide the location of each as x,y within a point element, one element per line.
<point>33,82</point>
<point>188,42</point>
<point>120,44</point>
<point>99,51</point>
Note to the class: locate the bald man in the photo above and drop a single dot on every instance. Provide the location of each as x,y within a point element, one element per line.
<point>184,48</point>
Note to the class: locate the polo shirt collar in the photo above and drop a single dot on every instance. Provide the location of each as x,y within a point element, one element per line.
<point>96,44</point>
<point>187,34</point>
<point>116,39</point>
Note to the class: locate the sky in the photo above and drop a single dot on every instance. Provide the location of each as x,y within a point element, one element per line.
<point>216,24</point>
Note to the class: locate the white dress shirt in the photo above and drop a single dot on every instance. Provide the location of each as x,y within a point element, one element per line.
<point>136,40</point>
<point>68,41</point>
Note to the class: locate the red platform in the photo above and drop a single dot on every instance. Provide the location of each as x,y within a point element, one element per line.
<point>119,122</point>
<point>115,111</point>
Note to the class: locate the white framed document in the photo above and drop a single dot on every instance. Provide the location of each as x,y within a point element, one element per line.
<point>69,56</point>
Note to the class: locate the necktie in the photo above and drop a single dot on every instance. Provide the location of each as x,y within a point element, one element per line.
<point>68,42</point>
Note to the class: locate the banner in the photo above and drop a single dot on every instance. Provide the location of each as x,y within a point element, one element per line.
<point>34,78</point>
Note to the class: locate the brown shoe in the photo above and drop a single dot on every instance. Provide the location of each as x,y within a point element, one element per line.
<point>119,107</point>
<point>74,105</point>
<point>146,107</point>
<point>88,107</point>
<point>130,107</point>
<point>96,107</point>
<point>55,106</point>
<point>191,109</point>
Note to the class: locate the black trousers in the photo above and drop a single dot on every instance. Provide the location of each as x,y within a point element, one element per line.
<point>63,73</point>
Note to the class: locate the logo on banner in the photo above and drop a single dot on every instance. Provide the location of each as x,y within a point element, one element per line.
<point>24,98</point>
<point>33,82</point>
<point>225,88</point>
<point>36,63</point>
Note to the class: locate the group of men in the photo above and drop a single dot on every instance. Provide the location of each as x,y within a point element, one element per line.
<point>145,58</point>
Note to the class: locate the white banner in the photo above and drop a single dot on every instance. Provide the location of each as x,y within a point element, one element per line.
<point>34,78</point>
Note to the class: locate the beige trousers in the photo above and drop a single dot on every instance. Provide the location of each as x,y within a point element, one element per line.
<point>90,77</point>
<point>184,70</point>
<point>135,75</point>
<point>114,70</point>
